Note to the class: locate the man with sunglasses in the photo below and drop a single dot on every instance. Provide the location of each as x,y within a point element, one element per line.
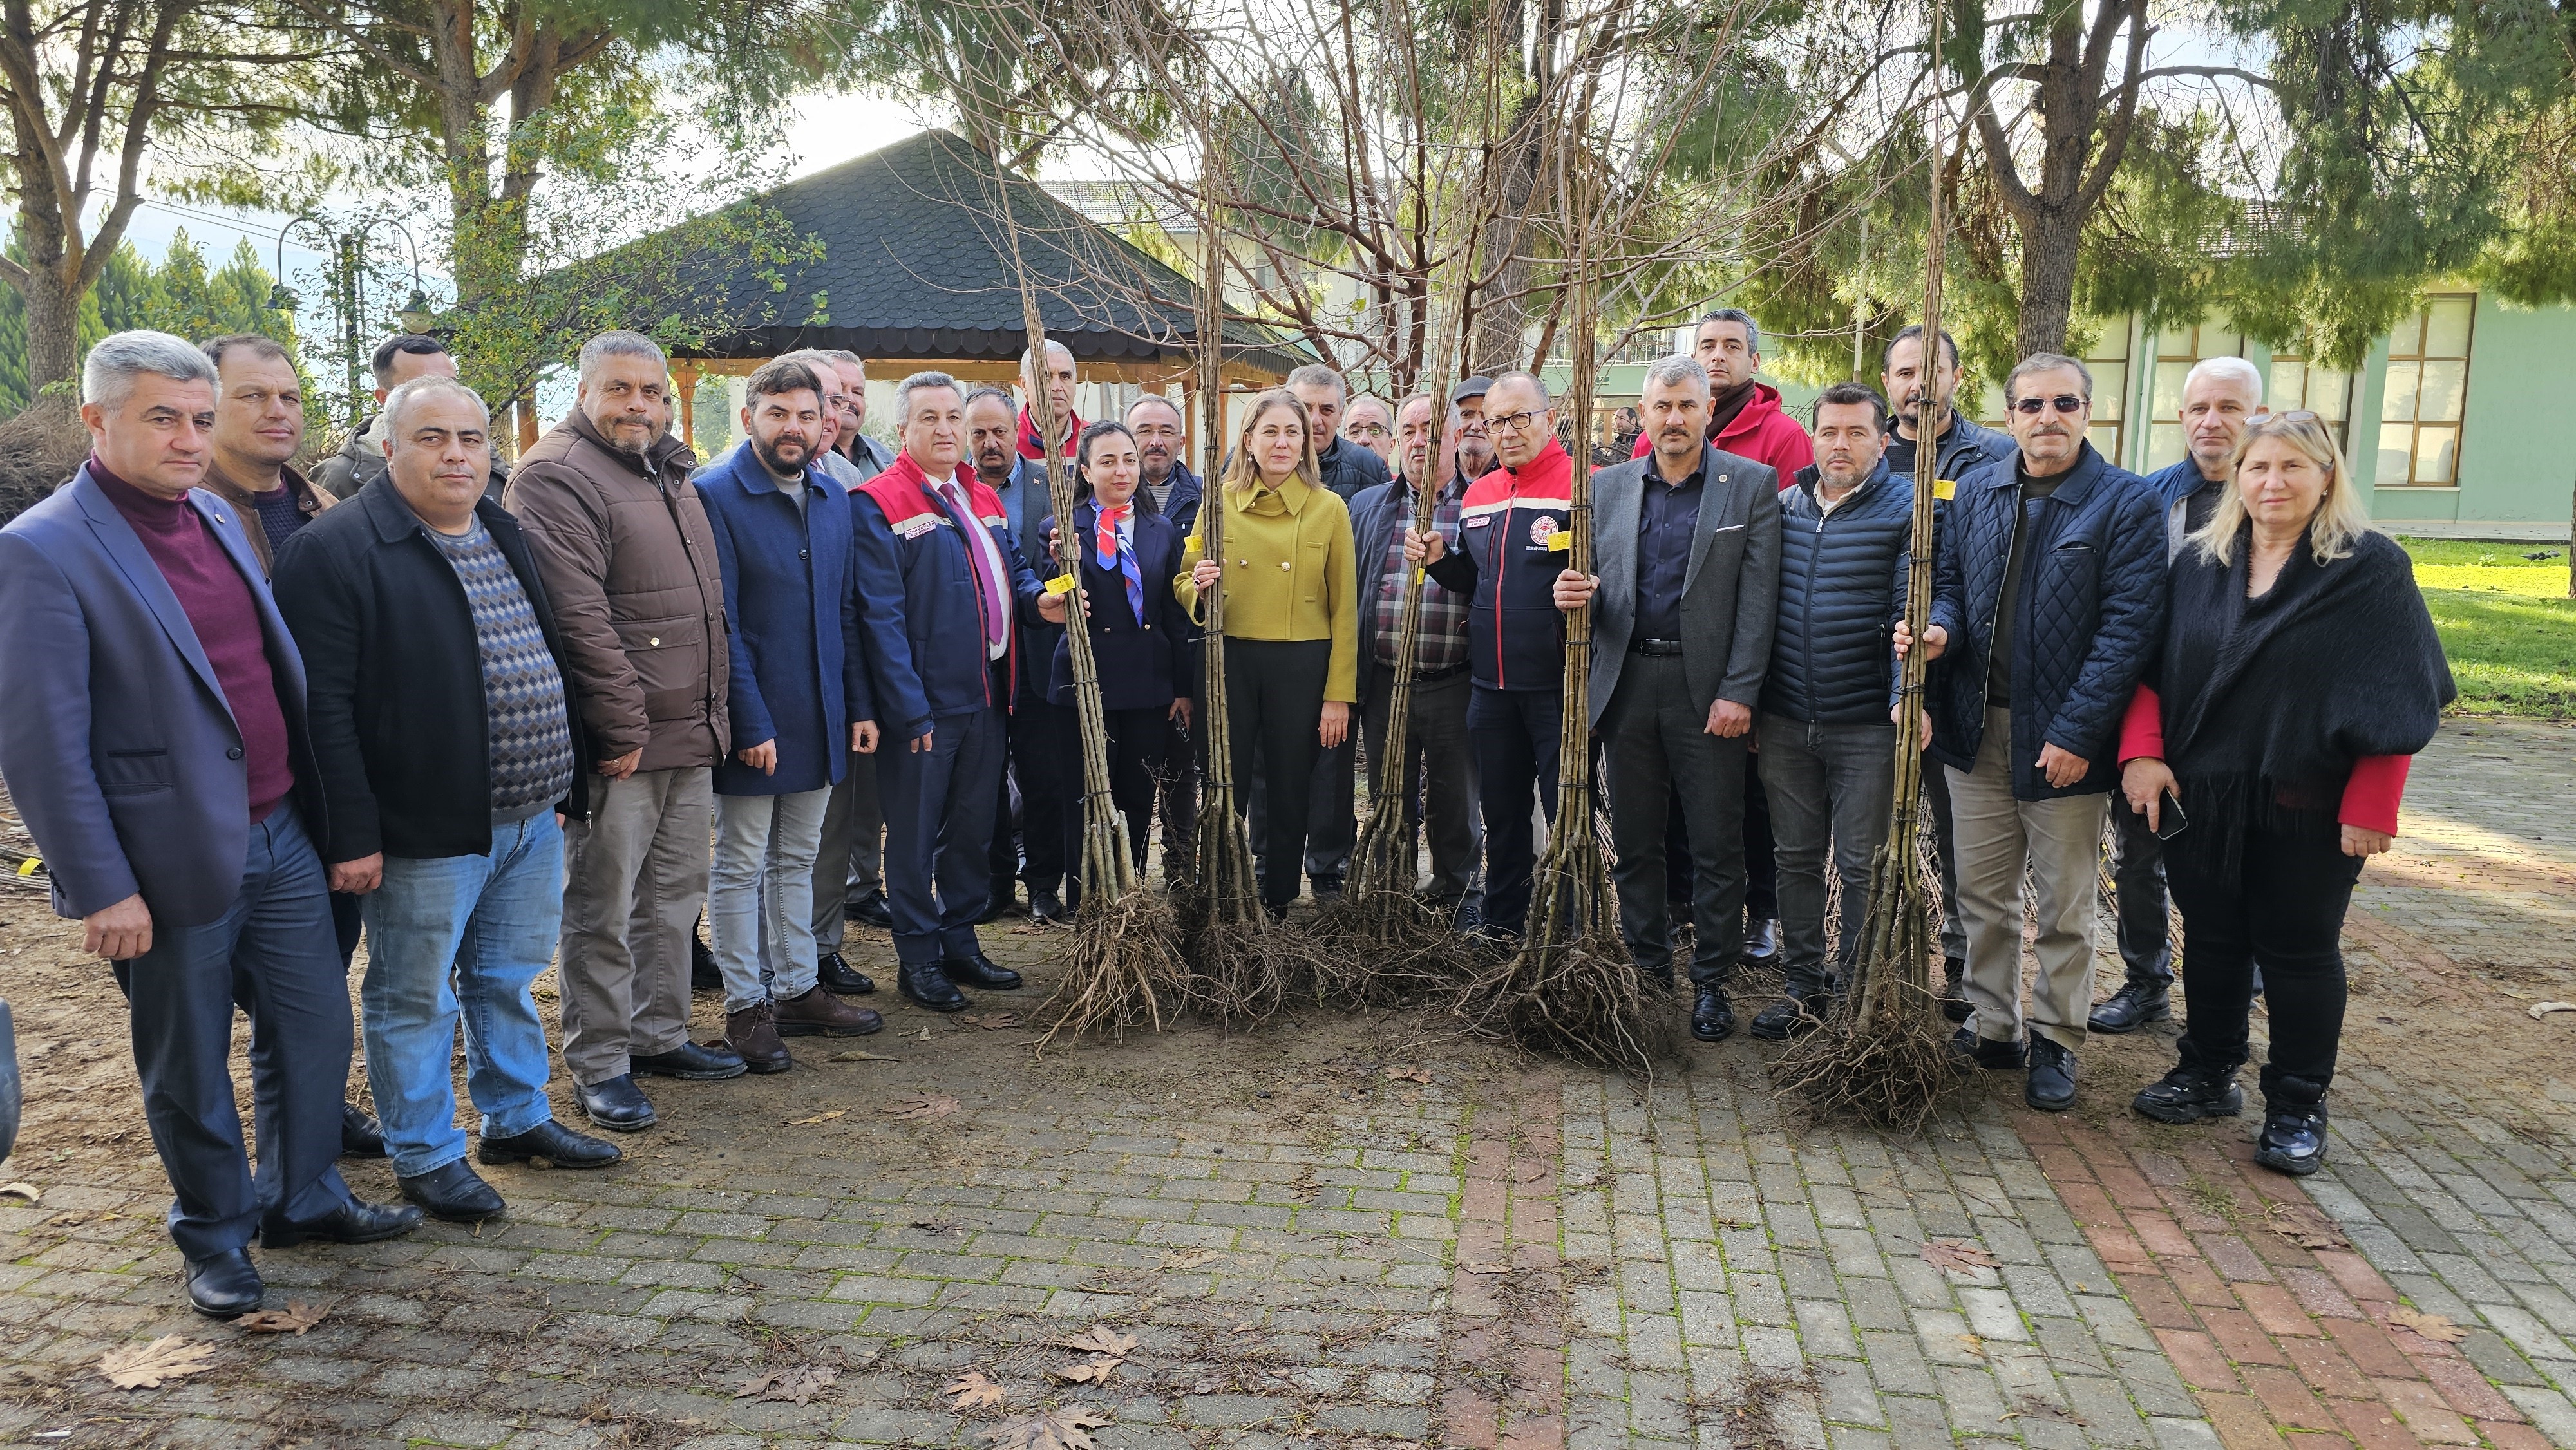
<point>2049,588</point>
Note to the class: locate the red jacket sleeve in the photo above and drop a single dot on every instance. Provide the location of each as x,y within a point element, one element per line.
<point>2370,797</point>
<point>2142,729</point>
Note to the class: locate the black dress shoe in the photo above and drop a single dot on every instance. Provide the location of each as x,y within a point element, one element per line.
<point>616,1104</point>
<point>2190,1093</point>
<point>1789,1017</point>
<point>225,1286</point>
<point>1325,888</point>
<point>2293,1139</point>
<point>551,1145</point>
<point>690,1062</point>
<point>978,970</point>
<point>2133,1006</point>
<point>453,1192</point>
<point>704,974</point>
<point>1954,989</point>
<point>870,910</point>
<point>1046,906</point>
<point>2051,1085</point>
<point>1003,900</point>
<point>926,984</point>
<point>361,1136</point>
<point>1761,943</point>
<point>836,975</point>
<point>1712,1016</point>
<point>1995,1056</point>
<point>351,1223</point>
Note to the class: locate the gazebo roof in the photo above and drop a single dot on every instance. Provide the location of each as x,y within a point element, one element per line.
<point>917,264</point>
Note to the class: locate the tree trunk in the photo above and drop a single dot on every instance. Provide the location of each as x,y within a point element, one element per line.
<point>53,327</point>
<point>2051,240</point>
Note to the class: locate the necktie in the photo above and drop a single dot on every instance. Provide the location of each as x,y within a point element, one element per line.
<point>997,617</point>
<point>1115,553</point>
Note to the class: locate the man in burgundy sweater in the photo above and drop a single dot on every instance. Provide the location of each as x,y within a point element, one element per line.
<point>171,797</point>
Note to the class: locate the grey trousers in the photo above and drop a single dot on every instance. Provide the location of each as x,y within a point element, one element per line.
<point>2059,839</point>
<point>849,863</point>
<point>760,905</point>
<point>1945,856</point>
<point>1656,742</point>
<point>1440,760</point>
<point>635,875</point>
<point>1828,784</point>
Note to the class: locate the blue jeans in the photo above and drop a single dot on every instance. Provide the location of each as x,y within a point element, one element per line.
<point>273,955</point>
<point>451,937</point>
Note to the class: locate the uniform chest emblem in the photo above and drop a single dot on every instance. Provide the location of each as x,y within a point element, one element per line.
<point>1541,529</point>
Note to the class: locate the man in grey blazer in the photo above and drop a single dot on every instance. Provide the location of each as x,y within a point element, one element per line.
<point>1687,541</point>
<point>154,739</point>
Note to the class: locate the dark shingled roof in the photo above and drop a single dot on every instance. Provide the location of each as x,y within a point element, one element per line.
<point>916,264</point>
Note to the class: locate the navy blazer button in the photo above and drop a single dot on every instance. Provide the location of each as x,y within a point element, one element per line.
<point>804,554</point>
<point>233,754</point>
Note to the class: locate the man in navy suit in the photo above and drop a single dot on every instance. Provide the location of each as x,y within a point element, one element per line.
<point>154,740</point>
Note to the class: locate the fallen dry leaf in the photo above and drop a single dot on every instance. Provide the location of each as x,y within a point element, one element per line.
<point>921,1105</point>
<point>1187,1258</point>
<point>27,1191</point>
<point>972,1391</point>
<point>999,1021</point>
<point>2306,1228</point>
<point>1243,1329</point>
<point>1094,1371</point>
<point>2543,1009</point>
<point>1066,1429</point>
<point>1973,1345</point>
<point>1484,1266</point>
<point>295,1318</point>
<point>937,1225</point>
<point>788,1386</point>
<point>817,1118</point>
<point>2436,1327</point>
<point>145,1366</point>
<point>1101,1339</point>
<point>1409,1074</point>
<point>861,1057</point>
<point>1956,1254</point>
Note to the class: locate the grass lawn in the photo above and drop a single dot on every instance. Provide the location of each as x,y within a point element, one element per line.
<point>2506,622</point>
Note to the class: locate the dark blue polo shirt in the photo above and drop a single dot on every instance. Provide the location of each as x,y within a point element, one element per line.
<point>1665,526</point>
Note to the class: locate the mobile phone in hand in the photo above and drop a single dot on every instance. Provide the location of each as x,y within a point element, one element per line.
<point>2169,821</point>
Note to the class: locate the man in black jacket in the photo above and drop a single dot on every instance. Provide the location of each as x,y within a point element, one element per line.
<point>443,729</point>
<point>1825,740</point>
<point>1963,448</point>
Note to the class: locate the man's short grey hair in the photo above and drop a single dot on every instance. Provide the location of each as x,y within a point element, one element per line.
<point>921,382</point>
<point>2044,362</point>
<point>2235,369</point>
<point>1316,375</point>
<point>401,399</point>
<point>1752,329</point>
<point>107,376</point>
<point>1678,371</point>
<point>981,392</point>
<point>1029,355</point>
<point>1533,379</point>
<point>618,342</point>
<point>1177,415</point>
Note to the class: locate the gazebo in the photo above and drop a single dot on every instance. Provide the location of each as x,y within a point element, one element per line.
<point>917,272</point>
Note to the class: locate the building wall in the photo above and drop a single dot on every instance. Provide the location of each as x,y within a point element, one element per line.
<point>2518,452</point>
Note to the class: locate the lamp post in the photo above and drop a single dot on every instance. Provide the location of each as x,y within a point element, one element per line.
<point>348,284</point>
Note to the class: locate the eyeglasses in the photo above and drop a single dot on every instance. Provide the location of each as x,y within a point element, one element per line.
<point>1514,421</point>
<point>1365,430</point>
<point>2063,403</point>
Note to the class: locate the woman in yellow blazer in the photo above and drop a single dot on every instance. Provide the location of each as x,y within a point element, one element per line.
<point>1291,622</point>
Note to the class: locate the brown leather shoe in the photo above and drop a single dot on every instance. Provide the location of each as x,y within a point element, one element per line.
<point>818,1011</point>
<point>753,1032</point>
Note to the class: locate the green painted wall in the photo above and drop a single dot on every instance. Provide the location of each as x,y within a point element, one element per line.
<point>2518,427</point>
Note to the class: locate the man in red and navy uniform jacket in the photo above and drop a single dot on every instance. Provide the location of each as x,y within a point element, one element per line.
<point>940,584</point>
<point>1505,560</point>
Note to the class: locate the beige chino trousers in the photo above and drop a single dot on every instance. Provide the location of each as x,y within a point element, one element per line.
<point>2059,839</point>
<point>635,877</point>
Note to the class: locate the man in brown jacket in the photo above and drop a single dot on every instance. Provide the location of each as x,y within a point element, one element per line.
<point>623,544</point>
<point>259,425</point>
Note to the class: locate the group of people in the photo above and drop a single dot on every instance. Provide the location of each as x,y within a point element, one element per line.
<point>494,719</point>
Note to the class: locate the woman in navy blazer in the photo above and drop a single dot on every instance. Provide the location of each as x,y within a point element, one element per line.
<point>1141,637</point>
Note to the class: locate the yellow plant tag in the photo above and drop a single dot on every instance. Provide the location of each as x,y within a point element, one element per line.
<point>30,866</point>
<point>1060,584</point>
<point>1560,541</point>
<point>1943,488</point>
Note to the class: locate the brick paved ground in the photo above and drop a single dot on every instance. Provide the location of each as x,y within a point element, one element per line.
<point>1311,1251</point>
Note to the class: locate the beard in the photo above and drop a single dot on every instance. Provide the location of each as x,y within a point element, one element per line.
<point>769,453</point>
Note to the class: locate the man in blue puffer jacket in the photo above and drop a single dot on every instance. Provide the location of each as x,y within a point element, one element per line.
<point>2049,591</point>
<point>1826,741</point>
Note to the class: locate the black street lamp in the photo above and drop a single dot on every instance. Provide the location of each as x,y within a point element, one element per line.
<point>348,282</point>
